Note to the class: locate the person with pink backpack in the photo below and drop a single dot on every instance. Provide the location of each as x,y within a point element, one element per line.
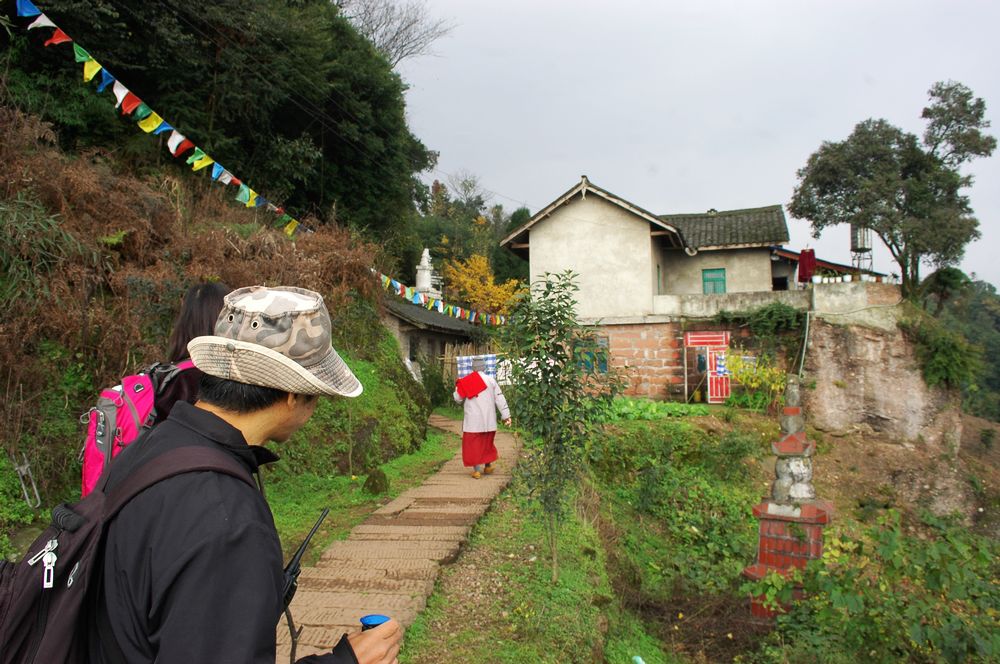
<point>145,399</point>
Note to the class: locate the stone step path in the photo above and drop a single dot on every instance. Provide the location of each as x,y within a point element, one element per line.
<point>389,563</point>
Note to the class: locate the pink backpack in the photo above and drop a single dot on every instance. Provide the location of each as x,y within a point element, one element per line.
<point>121,414</point>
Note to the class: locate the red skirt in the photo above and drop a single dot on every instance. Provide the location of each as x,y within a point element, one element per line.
<point>478,447</point>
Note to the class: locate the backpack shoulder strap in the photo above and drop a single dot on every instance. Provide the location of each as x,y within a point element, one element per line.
<point>188,459</point>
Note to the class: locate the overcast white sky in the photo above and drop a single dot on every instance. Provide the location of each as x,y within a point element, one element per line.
<point>685,106</point>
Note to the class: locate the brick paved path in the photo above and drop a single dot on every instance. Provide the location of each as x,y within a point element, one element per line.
<point>388,564</point>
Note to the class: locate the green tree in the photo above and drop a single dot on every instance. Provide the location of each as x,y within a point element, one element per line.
<point>907,192</point>
<point>558,393</point>
<point>941,286</point>
<point>286,95</point>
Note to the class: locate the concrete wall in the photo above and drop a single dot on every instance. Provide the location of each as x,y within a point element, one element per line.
<point>747,270</point>
<point>606,246</point>
<point>706,306</point>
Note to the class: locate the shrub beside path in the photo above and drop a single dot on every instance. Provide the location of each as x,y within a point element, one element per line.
<point>389,563</point>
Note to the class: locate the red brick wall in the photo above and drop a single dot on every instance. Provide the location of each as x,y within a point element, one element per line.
<point>651,356</point>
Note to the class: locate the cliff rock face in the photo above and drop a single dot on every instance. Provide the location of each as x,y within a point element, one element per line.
<point>868,379</point>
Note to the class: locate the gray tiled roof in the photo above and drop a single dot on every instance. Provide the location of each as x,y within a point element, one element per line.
<point>425,318</point>
<point>753,226</point>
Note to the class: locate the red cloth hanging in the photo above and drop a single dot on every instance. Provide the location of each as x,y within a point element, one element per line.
<point>470,386</point>
<point>807,264</point>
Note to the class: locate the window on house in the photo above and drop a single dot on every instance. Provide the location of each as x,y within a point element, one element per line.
<point>591,355</point>
<point>713,281</point>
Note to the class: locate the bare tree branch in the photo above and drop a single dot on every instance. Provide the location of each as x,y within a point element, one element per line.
<point>399,29</point>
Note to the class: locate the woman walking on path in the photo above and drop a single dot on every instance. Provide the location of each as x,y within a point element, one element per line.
<point>481,398</point>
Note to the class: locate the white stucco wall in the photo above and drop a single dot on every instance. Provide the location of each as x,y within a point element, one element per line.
<point>747,270</point>
<point>608,247</point>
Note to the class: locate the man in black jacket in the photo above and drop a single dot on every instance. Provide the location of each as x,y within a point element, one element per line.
<point>193,565</point>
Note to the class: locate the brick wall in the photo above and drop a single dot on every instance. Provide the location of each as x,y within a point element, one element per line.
<point>651,356</point>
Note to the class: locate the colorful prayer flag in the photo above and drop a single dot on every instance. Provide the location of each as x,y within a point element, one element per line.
<point>26,8</point>
<point>120,92</point>
<point>291,228</point>
<point>141,111</point>
<point>217,170</point>
<point>106,80</point>
<point>252,202</point>
<point>42,21</point>
<point>90,69</point>
<point>58,37</point>
<point>151,122</point>
<point>226,177</point>
<point>244,194</point>
<point>79,54</point>
<point>164,126</point>
<point>202,163</point>
<point>175,141</point>
<point>130,103</point>
<point>195,156</point>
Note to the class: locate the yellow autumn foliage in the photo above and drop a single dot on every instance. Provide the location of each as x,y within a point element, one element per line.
<point>472,281</point>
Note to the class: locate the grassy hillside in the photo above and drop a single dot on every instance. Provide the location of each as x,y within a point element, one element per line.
<point>95,260</point>
<point>652,556</point>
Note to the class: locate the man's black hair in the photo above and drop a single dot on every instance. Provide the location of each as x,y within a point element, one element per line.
<point>237,397</point>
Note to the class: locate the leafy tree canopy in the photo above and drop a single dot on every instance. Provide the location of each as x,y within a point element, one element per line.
<point>287,95</point>
<point>908,193</point>
<point>472,281</point>
<point>457,222</point>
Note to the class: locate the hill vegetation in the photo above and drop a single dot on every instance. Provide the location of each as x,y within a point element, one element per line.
<point>95,260</point>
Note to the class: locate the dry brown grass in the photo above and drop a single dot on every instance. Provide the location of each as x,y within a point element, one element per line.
<point>134,245</point>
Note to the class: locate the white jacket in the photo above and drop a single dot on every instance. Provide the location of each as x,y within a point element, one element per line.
<point>481,410</point>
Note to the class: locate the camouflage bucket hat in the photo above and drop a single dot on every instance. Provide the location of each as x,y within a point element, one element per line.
<point>275,337</point>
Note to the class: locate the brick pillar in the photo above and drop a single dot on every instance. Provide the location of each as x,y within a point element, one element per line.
<point>791,518</point>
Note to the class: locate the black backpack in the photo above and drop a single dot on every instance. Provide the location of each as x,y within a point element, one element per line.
<point>44,599</point>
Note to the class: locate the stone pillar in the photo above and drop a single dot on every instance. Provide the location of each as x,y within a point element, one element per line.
<point>791,518</point>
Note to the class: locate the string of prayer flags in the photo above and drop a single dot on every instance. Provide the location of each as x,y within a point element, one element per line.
<point>414,296</point>
<point>151,122</point>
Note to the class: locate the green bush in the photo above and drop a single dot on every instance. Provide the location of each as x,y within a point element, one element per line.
<point>14,512</point>
<point>945,357</point>
<point>625,408</point>
<point>349,436</point>
<point>437,389</point>
<point>886,597</point>
<point>680,498</point>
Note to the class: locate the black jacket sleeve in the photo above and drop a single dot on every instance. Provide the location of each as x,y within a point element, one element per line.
<point>342,654</point>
